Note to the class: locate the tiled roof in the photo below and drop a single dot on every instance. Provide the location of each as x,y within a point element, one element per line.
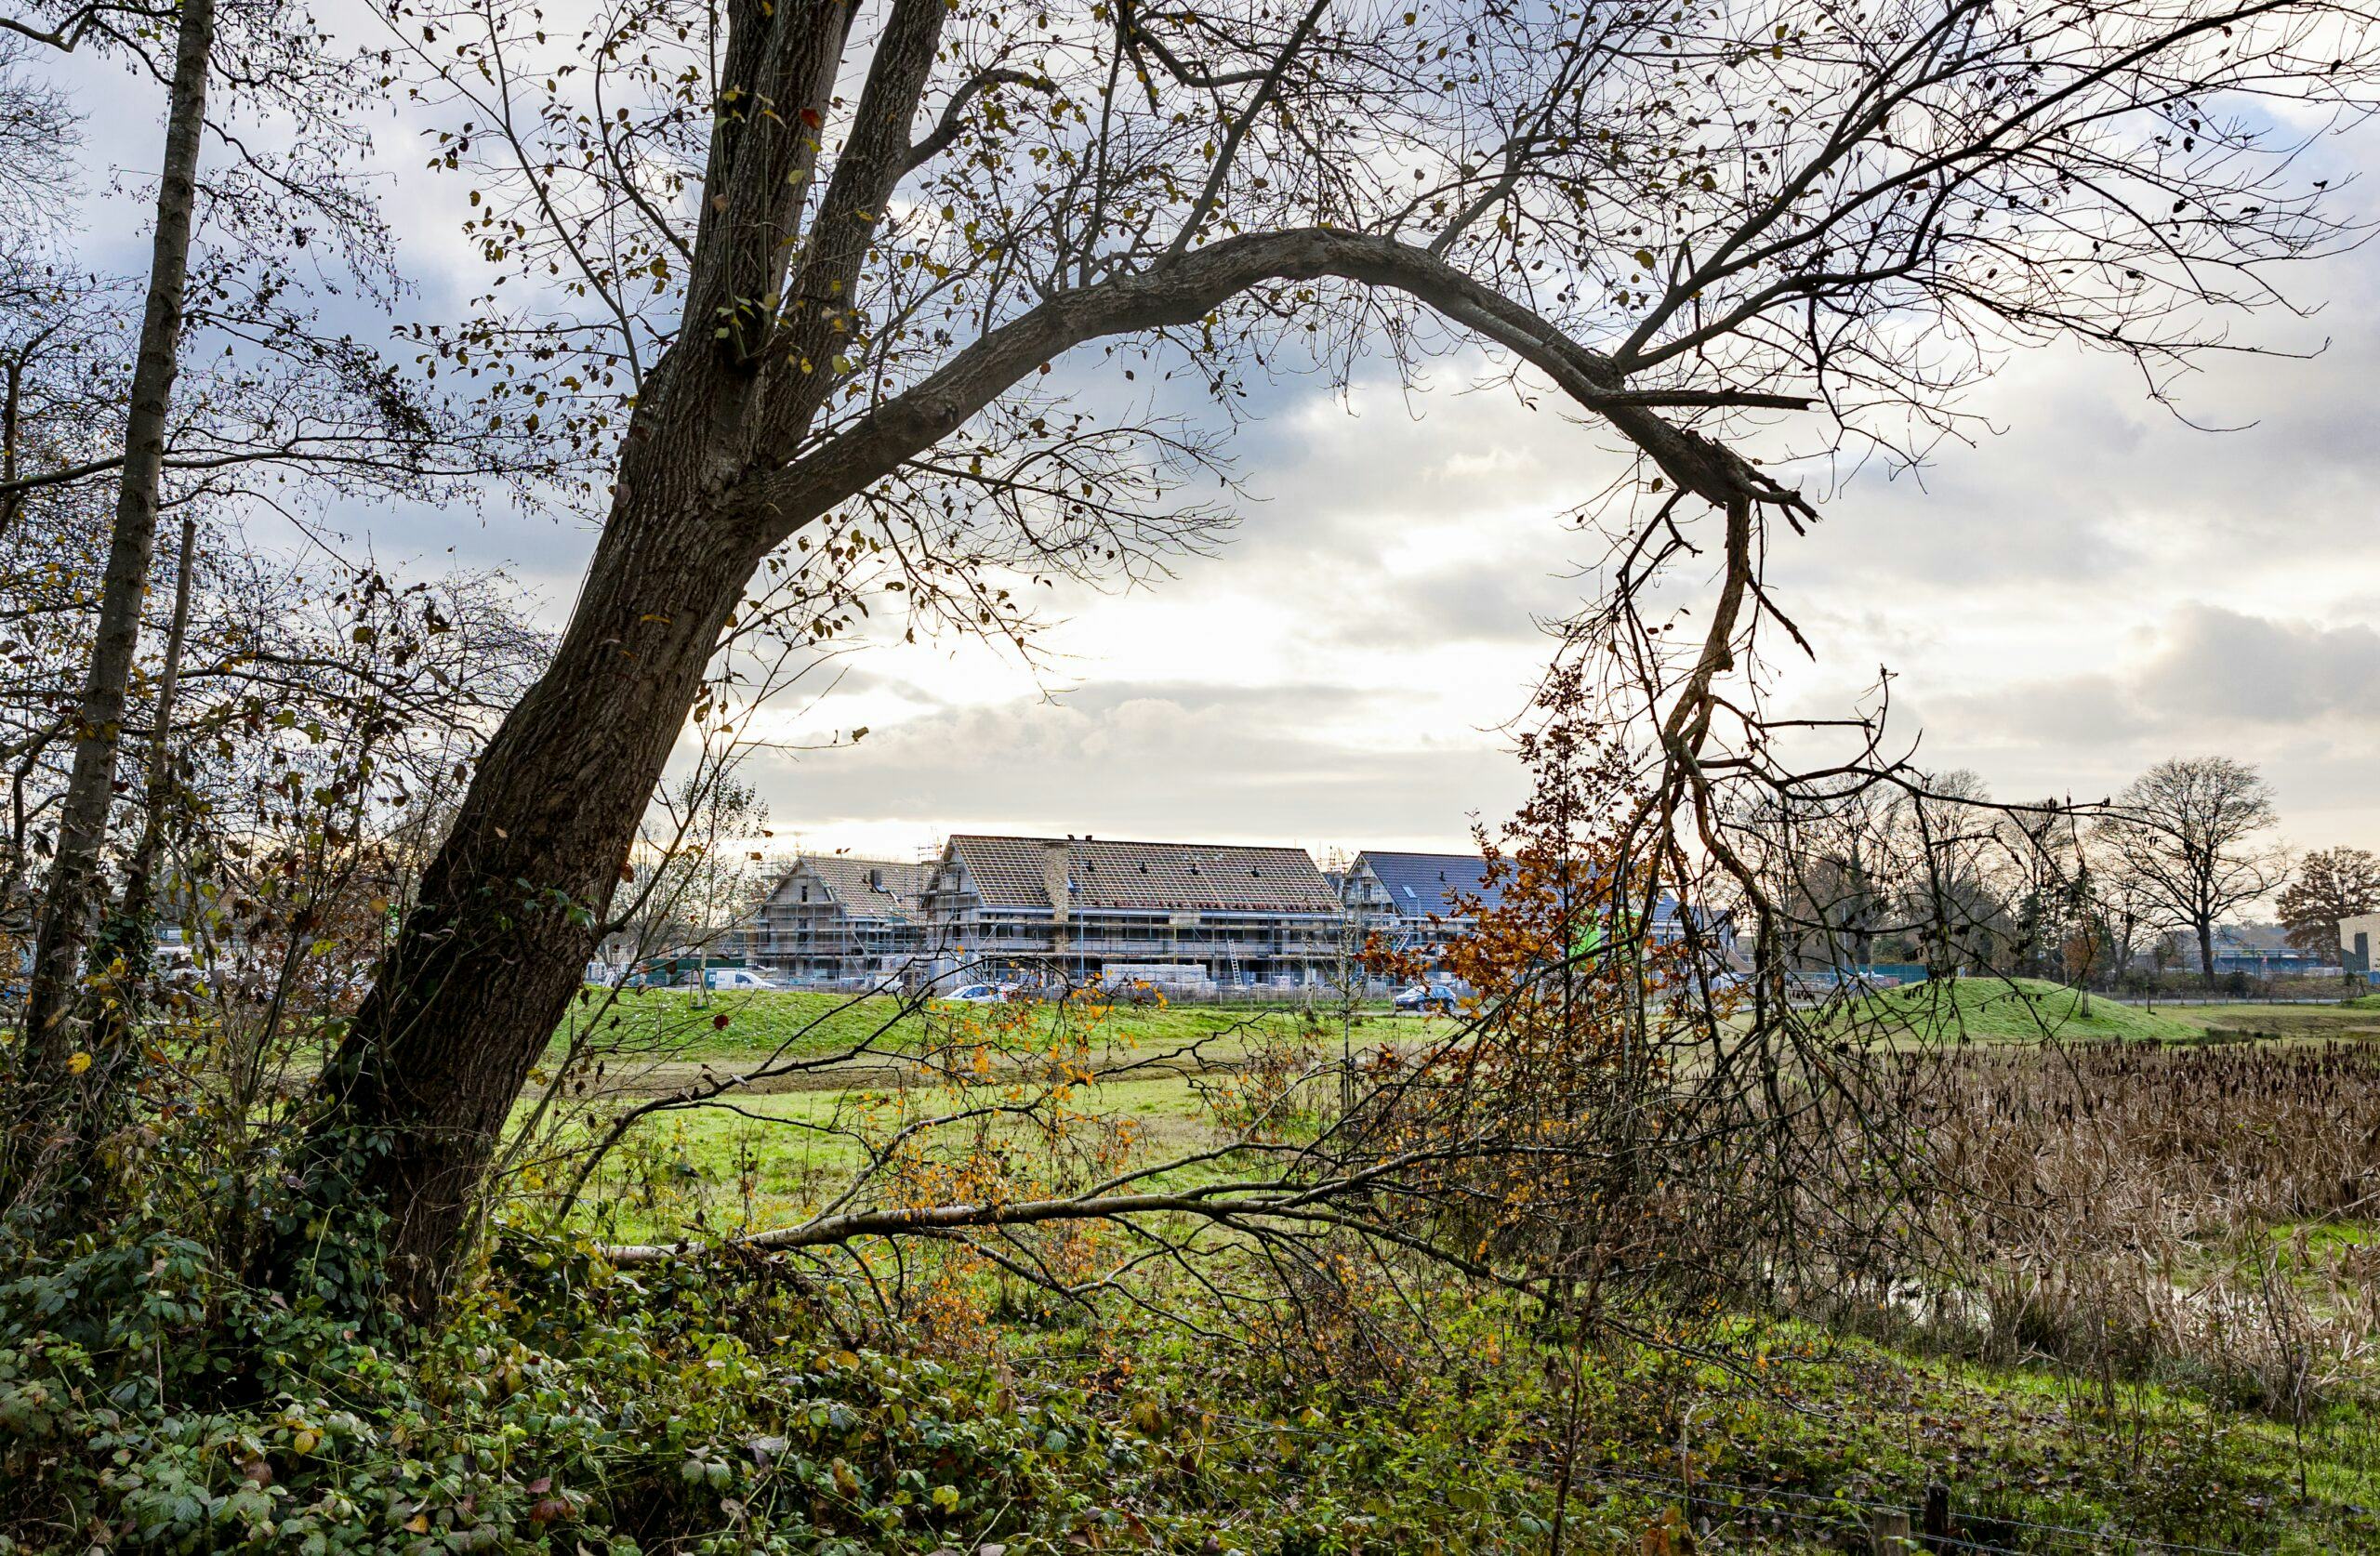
<point>885,889</point>
<point>1421,884</point>
<point>1012,873</point>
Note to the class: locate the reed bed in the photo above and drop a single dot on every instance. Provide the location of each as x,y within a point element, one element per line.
<point>2180,1215</point>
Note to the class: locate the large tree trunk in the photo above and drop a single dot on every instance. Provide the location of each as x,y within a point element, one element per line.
<point>511,904</point>
<point>2206,950</point>
<point>65,1102</point>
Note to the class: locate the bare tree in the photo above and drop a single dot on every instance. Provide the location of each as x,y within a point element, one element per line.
<point>2328,885</point>
<point>83,817</point>
<point>839,317</point>
<point>281,396</point>
<point>2131,913</point>
<point>36,134</point>
<point>2189,835</point>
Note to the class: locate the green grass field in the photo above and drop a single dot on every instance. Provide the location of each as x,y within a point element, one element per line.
<point>773,1159</point>
<point>779,1147</point>
<point>806,1025</point>
<point>2007,1010</point>
<point>1989,1010</point>
<point>2249,1021</point>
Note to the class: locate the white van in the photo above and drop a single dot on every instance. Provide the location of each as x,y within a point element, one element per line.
<point>719,979</point>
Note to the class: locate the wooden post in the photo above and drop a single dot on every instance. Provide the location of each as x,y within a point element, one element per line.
<point>1935,1524</point>
<point>1888,1534</point>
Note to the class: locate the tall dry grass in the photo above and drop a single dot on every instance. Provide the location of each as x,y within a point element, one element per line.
<point>2186,1215</point>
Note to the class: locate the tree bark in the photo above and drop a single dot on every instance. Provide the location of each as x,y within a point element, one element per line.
<point>73,890</point>
<point>512,904</point>
<point>123,940</point>
<point>130,931</point>
<point>11,500</point>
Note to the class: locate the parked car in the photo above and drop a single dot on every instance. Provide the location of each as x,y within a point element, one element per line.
<point>720,979</point>
<point>978,994</point>
<point>1424,998</point>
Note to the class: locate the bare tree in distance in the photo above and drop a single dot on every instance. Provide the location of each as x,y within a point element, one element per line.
<point>836,252</point>
<point>2130,910</point>
<point>2328,885</point>
<point>2189,835</point>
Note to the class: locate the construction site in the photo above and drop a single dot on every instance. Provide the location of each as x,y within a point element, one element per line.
<point>1080,912</point>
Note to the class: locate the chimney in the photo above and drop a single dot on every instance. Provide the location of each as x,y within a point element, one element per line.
<point>1054,858</point>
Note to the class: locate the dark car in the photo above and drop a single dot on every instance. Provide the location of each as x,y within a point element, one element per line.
<point>1430,998</point>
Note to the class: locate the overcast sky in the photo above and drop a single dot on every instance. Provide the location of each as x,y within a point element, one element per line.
<point>2095,586</point>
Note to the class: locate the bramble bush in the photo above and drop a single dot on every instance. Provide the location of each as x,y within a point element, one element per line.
<point>149,1400</point>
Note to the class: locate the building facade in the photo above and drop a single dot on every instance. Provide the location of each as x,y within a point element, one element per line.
<point>1080,910</point>
<point>833,921</point>
<point>2360,947</point>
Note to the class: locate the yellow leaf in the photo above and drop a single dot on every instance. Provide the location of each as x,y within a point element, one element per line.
<point>79,1063</point>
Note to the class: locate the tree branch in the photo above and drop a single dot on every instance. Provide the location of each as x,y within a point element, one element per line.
<point>1184,290</point>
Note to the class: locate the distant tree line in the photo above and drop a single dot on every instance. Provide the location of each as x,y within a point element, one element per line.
<point>1930,870</point>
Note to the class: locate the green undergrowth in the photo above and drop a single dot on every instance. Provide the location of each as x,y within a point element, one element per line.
<point>147,1403</point>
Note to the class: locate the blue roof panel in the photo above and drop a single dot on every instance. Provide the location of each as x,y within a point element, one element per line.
<point>1421,884</point>
<point>1427,883</point>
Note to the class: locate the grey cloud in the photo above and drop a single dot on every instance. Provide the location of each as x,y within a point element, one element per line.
<point>2087,710</point>
<point>2294,697</point>
<point>1188,761</point>
<point>2222,665</point>
<point>2211,670</point>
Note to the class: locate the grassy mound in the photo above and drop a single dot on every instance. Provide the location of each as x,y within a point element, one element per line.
<point>2008,1011</point>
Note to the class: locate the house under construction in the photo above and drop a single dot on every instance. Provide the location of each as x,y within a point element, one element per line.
<point>1078,910</point>
<point>1416,901</point>
<point>841,921</point>
<point>1422,902</point>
